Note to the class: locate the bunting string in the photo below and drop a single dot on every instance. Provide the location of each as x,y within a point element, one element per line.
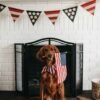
<point>53,14</point>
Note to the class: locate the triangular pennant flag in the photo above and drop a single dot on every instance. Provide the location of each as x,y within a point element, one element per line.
<point>15,13</point>
<point>89,6</point>
<point>52,15</point>
<point>2,7</point>
<point>33,15</point>
<point>71,12</point>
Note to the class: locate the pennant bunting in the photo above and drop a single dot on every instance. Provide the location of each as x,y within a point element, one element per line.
<point>89,6</point>
<point>2,7</point>
<point>52,15</point>
<point>71,12</point>
<point>15,13</point>
<point>33,15</point>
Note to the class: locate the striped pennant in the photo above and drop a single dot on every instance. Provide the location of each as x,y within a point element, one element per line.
<point>90,6</point>
<point>52,15</point>
<point>15,13</point>
<point>2,7</point>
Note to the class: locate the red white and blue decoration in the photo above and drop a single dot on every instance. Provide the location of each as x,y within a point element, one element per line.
<point>2,7</point>
<point>90,6</point>
<point>71,12</point>
<point>33,15</point>
<point>52,15</point>
<point>15,13</point>
<point>61,67</point>
<point>58,68</point>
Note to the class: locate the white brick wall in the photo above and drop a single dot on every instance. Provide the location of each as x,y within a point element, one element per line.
<point>85,29</point>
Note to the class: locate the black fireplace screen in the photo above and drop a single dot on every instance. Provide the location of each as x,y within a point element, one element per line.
<point>28,68</point>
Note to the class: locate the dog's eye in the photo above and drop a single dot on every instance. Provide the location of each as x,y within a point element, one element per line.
<point>51,49</point>
<point>46,49</point>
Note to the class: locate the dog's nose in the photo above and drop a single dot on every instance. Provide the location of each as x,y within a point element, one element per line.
<point>49,55</point>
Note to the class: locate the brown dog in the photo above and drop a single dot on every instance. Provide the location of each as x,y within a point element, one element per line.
<point>49,88</point>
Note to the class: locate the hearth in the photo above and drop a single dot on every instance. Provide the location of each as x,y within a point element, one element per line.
<point>28,68</point>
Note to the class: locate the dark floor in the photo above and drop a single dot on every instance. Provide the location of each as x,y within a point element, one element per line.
<point>14,96</point>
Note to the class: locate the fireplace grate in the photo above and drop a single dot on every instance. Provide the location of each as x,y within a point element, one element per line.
<point>28,68</point>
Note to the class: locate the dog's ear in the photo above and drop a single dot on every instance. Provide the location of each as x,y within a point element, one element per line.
<point>39,54</point>
<point>56,49</point>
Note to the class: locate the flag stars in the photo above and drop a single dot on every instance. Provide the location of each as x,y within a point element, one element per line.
<point>66,11</point>
<point>33,15</point>
<point>33,20</point>
<point>74,9</point>
<point>37,13</point>
<point>2,7</point>
<point>71,12</point>
<point>30,13</point>
<point>71,17</point>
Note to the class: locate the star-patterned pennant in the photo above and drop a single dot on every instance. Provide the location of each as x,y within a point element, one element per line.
<point>52,15</point>
<point>33,15</point>
<point>15,12</point>
<point>2,7</point>
<point>89,6</point>
<point>71,12</point>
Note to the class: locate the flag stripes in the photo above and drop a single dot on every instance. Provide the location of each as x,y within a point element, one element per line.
<point>61,73</point>
<point>57,58</point>
<point>51,69</point>
<point>61,69</point>
<point>15,10</point>
<point>52,15</point>
<point>89,3</point>
<point>15,13</point>
<point>90,6</point>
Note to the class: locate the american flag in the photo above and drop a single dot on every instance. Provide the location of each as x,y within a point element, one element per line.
<point>90,6</point>
<point>61,66</point>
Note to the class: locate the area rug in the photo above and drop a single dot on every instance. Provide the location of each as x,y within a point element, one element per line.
<point>75,98</point>
<point>83,98</point>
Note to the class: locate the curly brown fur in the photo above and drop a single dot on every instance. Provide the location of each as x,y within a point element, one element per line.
<point>49,89</point>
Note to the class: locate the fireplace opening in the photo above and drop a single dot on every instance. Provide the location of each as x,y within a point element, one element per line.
<point>28,67</point>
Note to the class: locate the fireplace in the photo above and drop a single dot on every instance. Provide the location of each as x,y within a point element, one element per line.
<point>28,68</point>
